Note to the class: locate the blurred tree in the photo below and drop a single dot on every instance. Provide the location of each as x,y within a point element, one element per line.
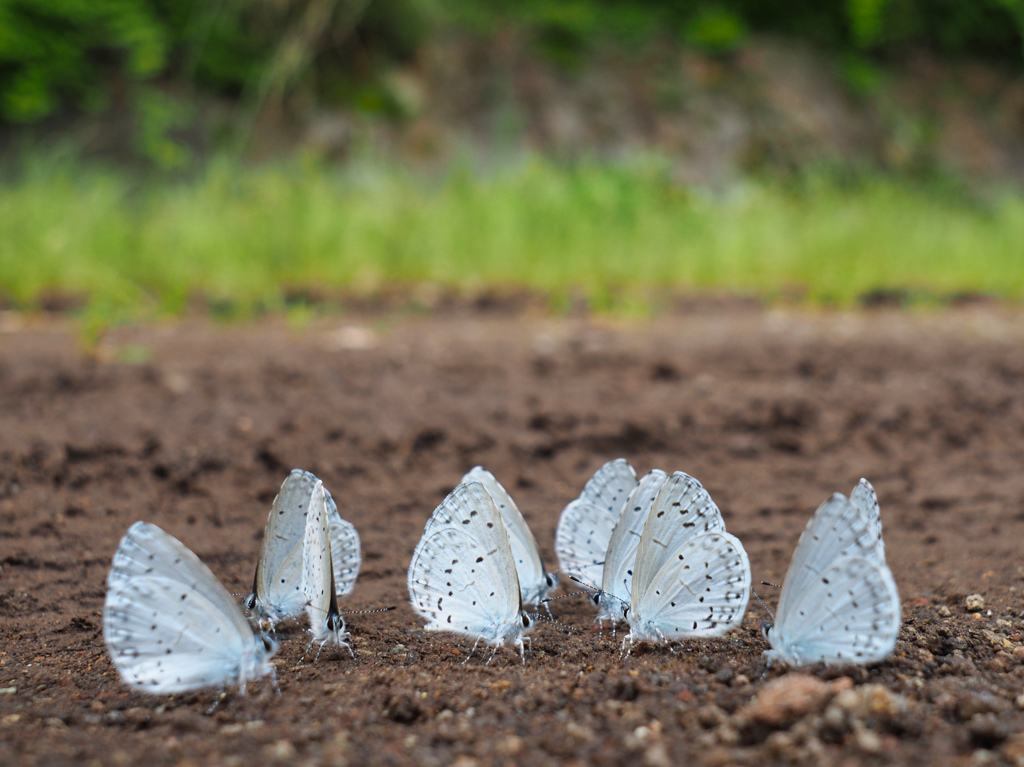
<point>54,52</point>
<point>64,56</point>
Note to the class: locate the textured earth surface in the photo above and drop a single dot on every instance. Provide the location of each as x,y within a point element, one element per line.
<point>194,426</point>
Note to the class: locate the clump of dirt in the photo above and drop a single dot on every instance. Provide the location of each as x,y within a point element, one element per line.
<point>771,412</point>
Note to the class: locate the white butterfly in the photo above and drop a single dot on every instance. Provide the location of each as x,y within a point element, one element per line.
<point>839,602</point>
<point>325,622</point>
<point>586,524</point>
<point>168,623</point>
<point>463,575</point>
<point>534,581</point>
<point>277,587</point>
<point>617,575</point>
<point>691,579</point>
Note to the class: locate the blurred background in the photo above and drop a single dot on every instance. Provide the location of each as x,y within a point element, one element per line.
<point>235,157</point>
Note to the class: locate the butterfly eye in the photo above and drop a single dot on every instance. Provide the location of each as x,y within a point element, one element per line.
<point>526,621</point>
<point>250,602</point>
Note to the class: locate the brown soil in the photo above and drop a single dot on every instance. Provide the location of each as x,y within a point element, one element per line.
<point>772,412</point>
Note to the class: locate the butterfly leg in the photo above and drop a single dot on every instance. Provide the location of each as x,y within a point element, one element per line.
<point>627,646</point>
<point>220,696</point>
<point>308,648</point>
<point>472,651</point>
<point>495,652</point>
<point>347,646</point>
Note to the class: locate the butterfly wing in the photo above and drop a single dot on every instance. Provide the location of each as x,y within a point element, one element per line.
<point>586,524</point>
<point>278,582</point>
<point>462,577</point>
<point>317,572</point>
<point>533,579</point>
<point>681,510</point>
<point>848,614</point>
<point>701,589</point>
<point>617,578</point>
<point>346,553</point>
<point>837,530</point>
<point>864,498</point>
<point>169,625</point>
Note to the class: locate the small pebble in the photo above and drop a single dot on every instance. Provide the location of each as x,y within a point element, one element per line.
<point>974,603</point>
<point>868,741</point>
<point>944,611</point>
<point>656,756</point>
<point>783,701</point>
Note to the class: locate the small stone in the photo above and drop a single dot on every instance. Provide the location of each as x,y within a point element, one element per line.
<point>780,743</point>
<point>974,603</point>
<point>656,755</point>
<point>398,649</point>
<point>783,701</point>
<point>642,736</point>
<point>867,741</point>
<point>510,745</point>
<point>718,757</point>
<point>232,729</point>
<point>968,705</point>
<point>711,716</point>
<point>873,704</point>
<point>579,732</point>
<point>1020,701</point>
<point>987,731</point>
<point>8,690</point>
<point>727,735</point>
<point>983,757</point>
<point>1013,749</point>
<point>282,751</point>
<point>944,611</point>
<point>740,680</point>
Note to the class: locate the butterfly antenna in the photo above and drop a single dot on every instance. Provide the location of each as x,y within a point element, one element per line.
<point>565,596</point>
<point>769,583</point>
<point>547,619</point>
<point>588,587</point>
<point>364,612</point>
<point>761,602</point>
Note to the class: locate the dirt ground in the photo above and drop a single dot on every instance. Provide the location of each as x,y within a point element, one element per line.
<point>194,426</point>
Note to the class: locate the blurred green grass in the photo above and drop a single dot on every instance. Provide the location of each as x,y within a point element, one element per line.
<point>245,239</point>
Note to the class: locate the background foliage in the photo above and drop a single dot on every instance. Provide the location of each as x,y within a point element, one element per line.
<point>64,57</point>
